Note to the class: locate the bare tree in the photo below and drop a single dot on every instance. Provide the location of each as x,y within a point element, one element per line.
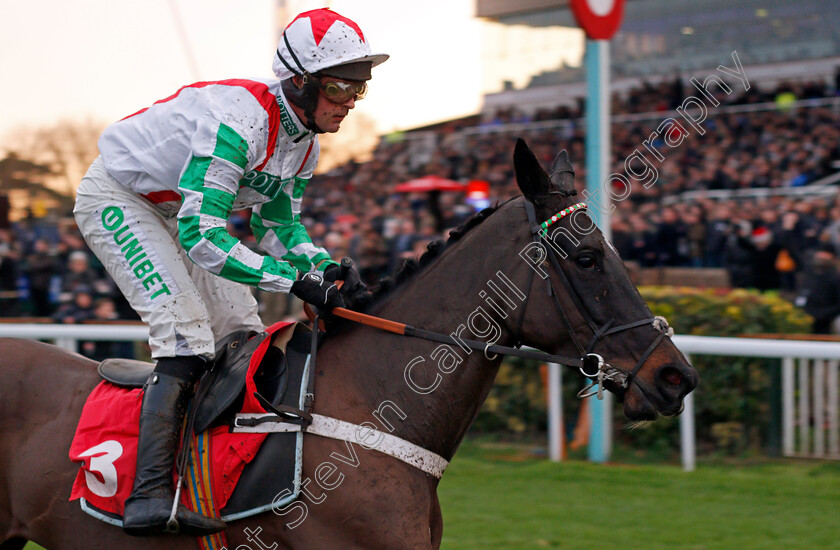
<point>66,147</point>
<point>22,186</point>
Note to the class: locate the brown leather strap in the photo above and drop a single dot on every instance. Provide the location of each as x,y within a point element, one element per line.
<point>370,320</point>
<point>378,322</point>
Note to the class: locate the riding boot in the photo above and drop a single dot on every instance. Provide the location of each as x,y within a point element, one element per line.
<point>148,509</point>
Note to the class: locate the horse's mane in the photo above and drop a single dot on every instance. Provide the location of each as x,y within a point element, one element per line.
<point>412,266</point>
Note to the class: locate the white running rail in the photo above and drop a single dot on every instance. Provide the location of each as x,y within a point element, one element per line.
<point>68,336</point>
<point>810,384</point>
<point>810,423</point>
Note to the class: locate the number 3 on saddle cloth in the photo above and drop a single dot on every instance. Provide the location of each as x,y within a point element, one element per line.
<point>229,475</point>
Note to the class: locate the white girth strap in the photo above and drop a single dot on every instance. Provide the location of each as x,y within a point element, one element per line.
<point>333,428</point>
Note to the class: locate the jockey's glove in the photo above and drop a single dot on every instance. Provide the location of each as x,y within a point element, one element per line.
<point>352,281</point>
<point>314,289</point>
<point>353,290</point>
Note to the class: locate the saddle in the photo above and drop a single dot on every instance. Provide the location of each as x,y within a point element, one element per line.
<point>224,381</point>
<point>230,475</point>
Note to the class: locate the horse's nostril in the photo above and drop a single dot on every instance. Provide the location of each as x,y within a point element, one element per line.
<point>675,381</point>
<point>672,376</point>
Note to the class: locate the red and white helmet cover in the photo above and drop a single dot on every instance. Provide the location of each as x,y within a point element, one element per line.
<point>321,39</point>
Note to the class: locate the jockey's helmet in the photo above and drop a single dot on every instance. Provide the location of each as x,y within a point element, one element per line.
<point>321,43</point>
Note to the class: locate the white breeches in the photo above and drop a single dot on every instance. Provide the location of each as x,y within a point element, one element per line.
<point>186,307</point>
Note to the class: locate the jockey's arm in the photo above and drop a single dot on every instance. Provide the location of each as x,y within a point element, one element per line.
<point>277,227</point>
<point>209,185</point>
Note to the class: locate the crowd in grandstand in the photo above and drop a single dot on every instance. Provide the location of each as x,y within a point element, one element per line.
<point>764,243</point>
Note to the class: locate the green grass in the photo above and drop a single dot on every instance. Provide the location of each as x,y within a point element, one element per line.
<point>497,497</point>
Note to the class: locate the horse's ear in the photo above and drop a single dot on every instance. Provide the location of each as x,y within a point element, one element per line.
<point>562,172</point>
<point>532,179</point>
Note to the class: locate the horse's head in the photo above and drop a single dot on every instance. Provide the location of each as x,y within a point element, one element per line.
<point>582,301</point>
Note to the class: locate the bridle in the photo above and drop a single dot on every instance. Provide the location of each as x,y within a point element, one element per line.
<point>593,365</point>
<point>590,364</point>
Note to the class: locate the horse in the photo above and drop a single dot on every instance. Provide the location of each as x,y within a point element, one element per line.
<point>502,276</point>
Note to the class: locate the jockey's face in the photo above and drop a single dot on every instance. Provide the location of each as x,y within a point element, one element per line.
<point>330,112</point>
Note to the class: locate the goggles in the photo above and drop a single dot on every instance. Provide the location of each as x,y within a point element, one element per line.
<point>339,91</point>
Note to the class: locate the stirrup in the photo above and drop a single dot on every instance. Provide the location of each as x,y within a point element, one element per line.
<point>172,525</point>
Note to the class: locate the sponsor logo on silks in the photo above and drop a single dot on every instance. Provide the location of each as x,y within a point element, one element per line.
<point>286,120</point>
<point>137,261</point>
<point>263,183</point>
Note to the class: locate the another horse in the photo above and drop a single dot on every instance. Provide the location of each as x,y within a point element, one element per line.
<point>500,278</point>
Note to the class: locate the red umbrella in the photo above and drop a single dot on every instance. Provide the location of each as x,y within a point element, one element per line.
<point>429,183</point>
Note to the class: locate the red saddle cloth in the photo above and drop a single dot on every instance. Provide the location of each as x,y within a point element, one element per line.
<point>106,446</point>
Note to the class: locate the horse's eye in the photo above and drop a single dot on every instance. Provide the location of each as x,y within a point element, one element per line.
<point>586,261</point>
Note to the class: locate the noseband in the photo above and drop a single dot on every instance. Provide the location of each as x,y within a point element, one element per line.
<point>592,365</point>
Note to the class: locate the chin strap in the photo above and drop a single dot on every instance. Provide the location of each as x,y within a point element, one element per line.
<point>310,124</point>
<point>306,97</point>
<point>300,98</point>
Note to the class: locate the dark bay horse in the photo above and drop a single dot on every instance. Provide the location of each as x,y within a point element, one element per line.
<point>564,292</point>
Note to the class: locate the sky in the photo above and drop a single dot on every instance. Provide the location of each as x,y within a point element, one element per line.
<point>105,59</point>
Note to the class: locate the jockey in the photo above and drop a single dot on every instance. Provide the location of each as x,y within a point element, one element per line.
<point>154,207</point>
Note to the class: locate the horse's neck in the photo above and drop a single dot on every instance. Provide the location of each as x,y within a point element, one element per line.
<point>423,391</point>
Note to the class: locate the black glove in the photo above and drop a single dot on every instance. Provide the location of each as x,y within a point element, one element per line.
<point>332,271</point>
<point>352,281</point>
<point>359,300</point>
<point>312,288</point>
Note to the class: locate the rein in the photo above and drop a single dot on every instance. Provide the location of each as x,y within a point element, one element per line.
<point>590,364</point>
<point>487,348</point>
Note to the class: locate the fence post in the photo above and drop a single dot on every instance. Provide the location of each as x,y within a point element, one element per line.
<point>67,343</point>
<point>556,431</point>
<point>787,407</point>
<point>819,407</point>
<point>688,441</point>
<point>833,427</point>
<point>804,407</point>
<point>774,398</point>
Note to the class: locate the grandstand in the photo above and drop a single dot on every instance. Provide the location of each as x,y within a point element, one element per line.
<point>751,144</point>
<point>778,139</point>
<point>665,37</point>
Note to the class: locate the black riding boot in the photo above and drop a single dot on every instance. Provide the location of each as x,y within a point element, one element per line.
<point>165,402</point>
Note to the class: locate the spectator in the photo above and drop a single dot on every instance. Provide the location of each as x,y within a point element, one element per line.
<point>79,274</point>
<point>718,230</point>
<point>40,268</point>
<point>9,273</point>
<point>695,237</point>
<point>672,240</point>
<point>79,310</point>
<point>402,242</point>
<point>737,256</point>
<point>646,241</point>
<point>764,248</point>
<point>373,256</point>
<point>105,311</point>
<point>833,228</point>
<point>819,292</point>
